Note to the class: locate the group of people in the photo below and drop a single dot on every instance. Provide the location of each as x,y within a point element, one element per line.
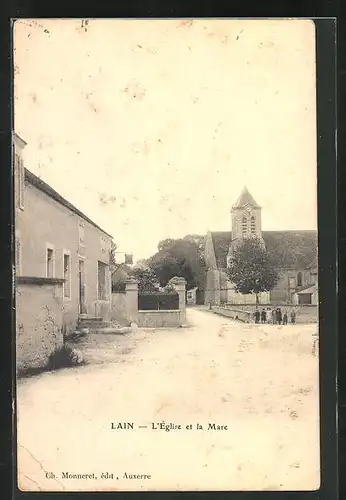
<point>275,316</point>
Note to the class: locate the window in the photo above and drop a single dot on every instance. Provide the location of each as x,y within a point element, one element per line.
<point>50,263</point>
<point>67,275</point>
<point>17,255</point>
<point>102,281</point>
<point>81,232</point>
<point>253,225</point>
<point>299,279</point>
<point>244,226</point>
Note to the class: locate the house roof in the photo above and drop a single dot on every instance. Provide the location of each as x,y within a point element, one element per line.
<point>19,140</point>
<point>46,188</point>
<point>291,249</point>
<point>308,290</point>
<point>244,199</point>
<point>123,267</point>
<point>221,241</point>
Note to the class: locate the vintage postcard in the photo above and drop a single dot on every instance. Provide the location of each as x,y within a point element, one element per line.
<point>166,275</point>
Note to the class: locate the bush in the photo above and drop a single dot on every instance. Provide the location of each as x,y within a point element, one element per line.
<point>65,357</point>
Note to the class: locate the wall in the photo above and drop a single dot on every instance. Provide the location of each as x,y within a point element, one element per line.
<point>223,287</point>
<point>45,221</point>
<point>305,314</point>
<point>161,319</point>
<point>238,298</point>
<point>126,308</point>
<point>212,288</point>
<point>233,313</point>
<point>118,310</point>
<point>38,322</point>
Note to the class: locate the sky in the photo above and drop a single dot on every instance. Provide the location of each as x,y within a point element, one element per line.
<point>153,127</point>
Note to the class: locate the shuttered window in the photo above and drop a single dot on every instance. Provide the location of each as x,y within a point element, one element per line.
<point>253,225</point>
<point>244,226</point>
<point>67,275</point>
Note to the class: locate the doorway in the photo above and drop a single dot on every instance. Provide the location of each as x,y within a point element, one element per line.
<point>81,287</point>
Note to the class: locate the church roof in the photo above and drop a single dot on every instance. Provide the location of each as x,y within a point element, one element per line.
<point>290,249</point>
<point>244,199</point>
<point>221,241</point>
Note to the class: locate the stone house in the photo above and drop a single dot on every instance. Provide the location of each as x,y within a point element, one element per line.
<point>120,273</point>
<point>61,265</point>
<point>294,251</point>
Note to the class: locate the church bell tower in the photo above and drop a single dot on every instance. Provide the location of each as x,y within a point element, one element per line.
<point>246,220</point>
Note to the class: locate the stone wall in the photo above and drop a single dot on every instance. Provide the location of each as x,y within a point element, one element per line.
<point>305,313</point>
<point>239,314</point>
<point>118,309</point>
<point>238,298</point>
<point>125,307</point>
<point>39,321</point>
<point>161,319</point>
<point>212,287</point>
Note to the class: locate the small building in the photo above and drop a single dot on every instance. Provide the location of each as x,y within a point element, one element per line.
<point>61,265</point>
<point>120,274</point>
<point>306,296</point>
<point>191,297</point>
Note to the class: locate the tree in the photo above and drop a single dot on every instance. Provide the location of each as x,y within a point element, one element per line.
<point>147,280</point>
<point>181,257</point>
<point>251,268</point>
<point>112,263</point>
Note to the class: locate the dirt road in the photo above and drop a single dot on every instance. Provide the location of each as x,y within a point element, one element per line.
<point>257,381</point>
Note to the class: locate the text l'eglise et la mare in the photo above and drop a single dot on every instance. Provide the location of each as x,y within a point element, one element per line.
<point>168,426</point>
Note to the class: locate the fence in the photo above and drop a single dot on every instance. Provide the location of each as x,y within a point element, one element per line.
<point>158,301</point>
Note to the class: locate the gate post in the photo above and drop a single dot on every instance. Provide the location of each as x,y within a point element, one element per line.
<point>131,290</point>
<point>179,285</point>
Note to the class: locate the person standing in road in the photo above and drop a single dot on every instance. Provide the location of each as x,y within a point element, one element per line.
<point>269,315</point>
<point>279,316</point>
<point>274,316</point>
<point>263,316</point>
<point>285,318</point>
<point>293,316</point>
<point>257,316</point>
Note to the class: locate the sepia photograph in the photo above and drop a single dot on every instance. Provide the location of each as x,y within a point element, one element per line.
<point>166,255</point>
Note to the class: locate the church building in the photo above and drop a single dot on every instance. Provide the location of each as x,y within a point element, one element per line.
<point>295,253</point>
